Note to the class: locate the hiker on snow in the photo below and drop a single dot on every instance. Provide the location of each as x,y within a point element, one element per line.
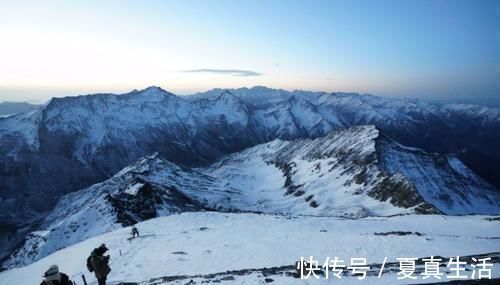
<point>54,277</point>
<point>135,231</point>
<point>99,263</point>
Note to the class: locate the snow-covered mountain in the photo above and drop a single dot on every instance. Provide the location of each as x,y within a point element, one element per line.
<point>352,172</point>
<point>73,142</point>
<point>355,172</point>
<point>149,188</point>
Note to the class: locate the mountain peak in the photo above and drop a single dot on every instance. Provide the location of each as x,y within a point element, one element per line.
<point>153,88</point>
<point>147,164</point>
<point>227,95</point>
<point>152,92</point>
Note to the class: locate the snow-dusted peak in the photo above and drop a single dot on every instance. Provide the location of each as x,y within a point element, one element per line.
<point>155,89</point>
<point>257,95</point>
<point>149,188</point>
<point>229,98</point>
<point>297,100</point>
<point>226,107</point>
<point>147,164</point>
<point>152,92</point>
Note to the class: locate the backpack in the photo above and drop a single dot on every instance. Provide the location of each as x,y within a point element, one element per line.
<point>89,264</point>
<point>65,279</point>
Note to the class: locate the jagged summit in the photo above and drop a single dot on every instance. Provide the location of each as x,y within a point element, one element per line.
<point>153,92</point>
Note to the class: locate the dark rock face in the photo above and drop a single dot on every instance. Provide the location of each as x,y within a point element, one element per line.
<point>291,188</point>
<point>131,209</point>
<point>401,193</point>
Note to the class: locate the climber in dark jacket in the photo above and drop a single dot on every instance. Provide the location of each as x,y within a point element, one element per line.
<point>100,264</point>
<point>135,231</point>
<point>54,277</point>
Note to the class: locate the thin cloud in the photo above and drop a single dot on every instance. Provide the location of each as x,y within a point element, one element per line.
<point>233,72</point>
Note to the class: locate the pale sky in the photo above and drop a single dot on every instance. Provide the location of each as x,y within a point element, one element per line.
<point>425,49</point>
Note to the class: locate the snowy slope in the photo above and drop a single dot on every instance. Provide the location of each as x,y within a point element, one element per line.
<point>203,243</point>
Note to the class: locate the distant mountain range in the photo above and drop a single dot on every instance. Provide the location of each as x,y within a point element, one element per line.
<point>11,108</point>
<point>229,141</point>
